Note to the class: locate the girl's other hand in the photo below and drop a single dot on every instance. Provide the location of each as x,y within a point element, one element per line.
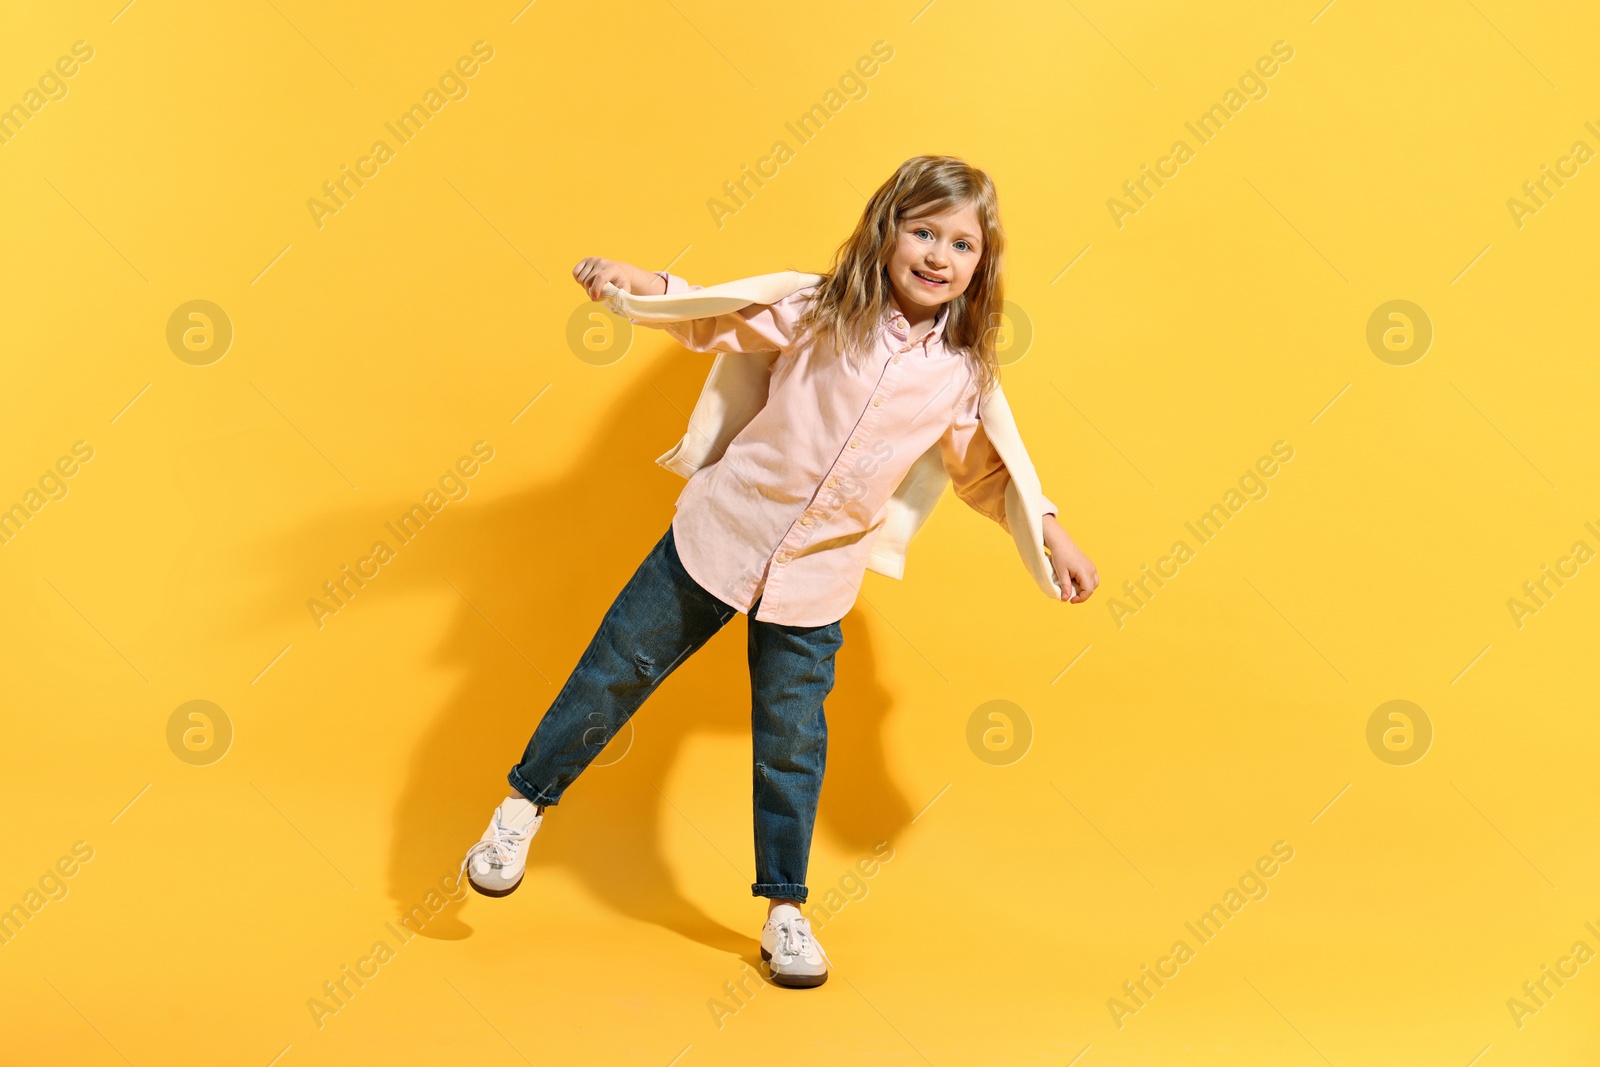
<point>1075,572</point>
<point>594,272</point>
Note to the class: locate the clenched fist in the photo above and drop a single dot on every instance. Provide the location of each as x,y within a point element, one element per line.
<point>594,272</point>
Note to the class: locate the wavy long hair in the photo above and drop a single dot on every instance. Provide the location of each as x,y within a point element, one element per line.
<point>848,305</point>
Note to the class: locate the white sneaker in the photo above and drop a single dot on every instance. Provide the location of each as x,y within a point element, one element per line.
<point>794,957</point>
<point>495,864</point>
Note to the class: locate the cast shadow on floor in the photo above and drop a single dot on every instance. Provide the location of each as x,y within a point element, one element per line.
<point>533,573</point>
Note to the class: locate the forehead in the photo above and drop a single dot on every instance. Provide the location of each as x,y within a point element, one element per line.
<point>960,222</point>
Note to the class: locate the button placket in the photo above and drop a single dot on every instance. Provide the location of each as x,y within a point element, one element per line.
<point>863,428</point>
<point>818,521</point>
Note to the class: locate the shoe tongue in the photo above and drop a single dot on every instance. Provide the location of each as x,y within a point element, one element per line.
<point>783,913</point>
<point>517,813</point>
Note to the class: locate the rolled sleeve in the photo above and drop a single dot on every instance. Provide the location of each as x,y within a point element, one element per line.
<point>675,284</point>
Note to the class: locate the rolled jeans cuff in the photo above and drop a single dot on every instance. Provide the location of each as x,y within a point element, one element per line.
<point>779,890</point>
<point>531,791</point>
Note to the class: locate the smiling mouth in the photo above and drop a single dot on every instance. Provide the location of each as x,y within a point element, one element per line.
<point>930,278</point>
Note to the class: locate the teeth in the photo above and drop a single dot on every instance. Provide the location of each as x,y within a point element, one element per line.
<point>930,278</point>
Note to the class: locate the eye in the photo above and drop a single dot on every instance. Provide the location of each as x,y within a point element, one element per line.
<point>968,245</point>
<point>920,230</point>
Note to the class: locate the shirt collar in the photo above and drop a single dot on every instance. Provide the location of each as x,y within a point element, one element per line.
<point>896,324</point>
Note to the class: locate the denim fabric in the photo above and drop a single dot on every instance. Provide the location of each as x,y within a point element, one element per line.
<point>659,619</point>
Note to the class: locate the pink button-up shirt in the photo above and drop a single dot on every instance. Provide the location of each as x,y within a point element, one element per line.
<point>789,512</point>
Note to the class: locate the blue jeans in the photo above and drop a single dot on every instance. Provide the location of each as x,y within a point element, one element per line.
<point>661,617</point>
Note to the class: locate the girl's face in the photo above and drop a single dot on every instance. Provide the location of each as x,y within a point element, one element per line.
<point>933,259</point>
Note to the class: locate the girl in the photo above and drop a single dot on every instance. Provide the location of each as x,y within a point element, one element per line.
<point>884,357</point>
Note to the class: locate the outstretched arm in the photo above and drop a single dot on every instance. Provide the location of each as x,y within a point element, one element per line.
<point>593,273</point>
<point>764,328</point>
<point>976,470</point>
<point>979,477</point>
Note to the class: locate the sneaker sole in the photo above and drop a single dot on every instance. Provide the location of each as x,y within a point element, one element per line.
<point>794,981</point>
<point>495,892</point>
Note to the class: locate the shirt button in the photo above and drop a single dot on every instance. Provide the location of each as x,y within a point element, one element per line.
<point>897,359</point>
<point>853,444</point>
<point>806,521</point>
<point>832,482</point>
<point>878,403</point>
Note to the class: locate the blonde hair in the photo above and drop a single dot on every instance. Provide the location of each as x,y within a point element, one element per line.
<point>848,304</point>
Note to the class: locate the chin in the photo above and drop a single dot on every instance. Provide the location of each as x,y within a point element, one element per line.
<point>913,292</point>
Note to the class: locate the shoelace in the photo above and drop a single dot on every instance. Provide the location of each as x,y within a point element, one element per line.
<point>500,846</point>
<point>794,935</point>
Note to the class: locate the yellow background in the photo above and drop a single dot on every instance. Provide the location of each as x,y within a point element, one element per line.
<point>1229,713</point>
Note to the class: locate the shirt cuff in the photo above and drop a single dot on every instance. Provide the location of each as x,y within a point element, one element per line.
<point>1049,507</point>
<point>675,284</point>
